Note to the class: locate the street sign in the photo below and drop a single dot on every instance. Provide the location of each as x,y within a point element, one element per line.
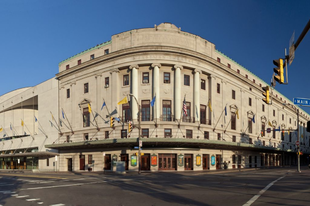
<point>268,130</point>
<point>297,143</point>
<point>137,148</point>
<point>302,101</point>
<point>140,143</point>
<point>277,130</point>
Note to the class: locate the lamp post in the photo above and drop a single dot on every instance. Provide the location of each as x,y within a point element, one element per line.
<point>139,135</point>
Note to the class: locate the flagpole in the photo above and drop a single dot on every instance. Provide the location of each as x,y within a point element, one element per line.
<point>218,119</point>
<point>67,120</point>
<point>42,130</point>
<point>56,124</point>
<point>106,107</point>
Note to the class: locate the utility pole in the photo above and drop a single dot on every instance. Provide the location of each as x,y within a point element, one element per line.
<point>298,139</point>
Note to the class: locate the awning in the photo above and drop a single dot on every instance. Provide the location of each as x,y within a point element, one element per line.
<point>30,154</point>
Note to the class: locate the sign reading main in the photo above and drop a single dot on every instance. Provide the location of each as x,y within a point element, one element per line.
<point>302,101</point>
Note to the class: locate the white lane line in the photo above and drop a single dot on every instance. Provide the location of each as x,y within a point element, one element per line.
<point>6,192</point>
<point>22,196</point>
<point>56,186</point>
<point>255,197</point>
<point>31,200</point>
<point>58,205</point>
<point>40,203</point>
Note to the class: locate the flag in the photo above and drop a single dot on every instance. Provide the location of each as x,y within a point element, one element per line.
<point>123,101</point>
<point>225,111</point>
<point>113,112</point>
<point>196,112</point>
<point>11,127</point>
<point>1,129</point>
<point>60,122</point>
<point>96,115</point>
<point>22,123</point>
<point>237,113</point>
<point>35,119</point>
<point>89,108</point>
<point>209,104</point>
<point>102,105</point>
<point>117,119</point>
<point>51,123</point>
<point>184,108</point>
<point>253,119</point>
<point>52,116</point>
<point>4,135</point>
<point>269,123</point>
<point>63,113</point>
<point>153,101</point>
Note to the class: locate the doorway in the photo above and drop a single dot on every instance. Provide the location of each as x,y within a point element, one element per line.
<point>82,162</point>
<point>218,161</point>
<point>167,162</point>
<point>107,162</point>
<point>205,162</point>
<point>145,162</point>
<point>69,164</point>
<point>124,158</point>
<point>188,160</point>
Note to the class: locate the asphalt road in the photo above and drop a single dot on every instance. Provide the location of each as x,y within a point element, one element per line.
<point>281,186</point>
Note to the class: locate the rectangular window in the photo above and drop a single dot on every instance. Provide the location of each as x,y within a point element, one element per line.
<point>238,71</point>
<point>203,114</point>
<point>233,94</point>
<point>106,134</point>
<point>67,66</point>
<point>250,125</point>
<point>126,114</point>
<point>167,77</point>
<point>168,133</point>
<point>283,117</point>
<point>186,80</point>
<point>290,121</point>
<point>189,134</point>
<point>218,59</point>
<point>218,136</point>
<point>263,107</point>
<point>145,77</point>
<point>85,88</point>
<point>234,159</point>
<point>274,133</point>
<point>90,159</point>
<point>206,135</point>
<point>274,113</point>
<point>86,137</point>
<point>124,133</point>
<point>68,93</point>
<point>233,121</point>
<point>126,80</point>
<point>234,138</point>
<point>92,56</point>
<point>47,162</point>
<point>68,138</point>
<point>250,101</point>
<point>263,129</point>
<point>106,51</point>
<point>145,133</point>
<point>107,82</point>
<point>86,117</point>
<point>246,76</point>
<point>79,61</point>
<point>145,104</point>
<point>250,141</point>
<point>282,135</point>
<point>254,81</point>
<point>264,143</point>
<point>167,110</point>
<point>228,65</point>
<point>203,84</point>
<point>218,88</point>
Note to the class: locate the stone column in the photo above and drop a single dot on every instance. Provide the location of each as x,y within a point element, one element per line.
<point>156,91</point>
<point>177,92</point>
<point>134,91</point>
<point>115,88</point>
<point>197,83</point>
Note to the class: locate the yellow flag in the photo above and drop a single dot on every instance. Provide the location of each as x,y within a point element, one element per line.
<point>269,123</point>
<point>89,108</point>
<point>22,123</point>
<point>123,101</point>
<point>209,104</point>
<point>237,113</point>
<point>302,136</point>
<point>1,129</point>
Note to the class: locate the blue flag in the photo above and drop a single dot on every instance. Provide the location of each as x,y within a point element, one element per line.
<point>225,111</point>
<point>63,114</point>
<point>253,119</point>
<point>103,105</point>
<point>117,119</point>
<point>10,126</point>
<point>35,119</point>
<point>153,101</point>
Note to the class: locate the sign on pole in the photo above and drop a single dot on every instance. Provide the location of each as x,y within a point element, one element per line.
<point>268,130</point>
<point>302,101</point>
<point>140,143</point>
<point>297,143</point>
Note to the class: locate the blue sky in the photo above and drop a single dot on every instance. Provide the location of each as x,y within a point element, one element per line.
<point>36,35</point>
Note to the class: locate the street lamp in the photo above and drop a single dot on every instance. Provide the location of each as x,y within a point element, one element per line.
<point>139,127</point>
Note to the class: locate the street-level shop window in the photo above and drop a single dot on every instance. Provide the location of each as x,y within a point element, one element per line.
<point>68,93</point>
<point>146,115</point>
<point>203,84</point>
<point>206,135</point>
<point>186,80</point>
<point>86,117</point>
<point>145,77</point>
<point>168,133</point>
<point>85,88</point>
<point>106,134</point>
<point>86,137</point>
<point>145,133</point>
<point>189,134</point>
<point>126,80</point>
<point>167,77</point>
<point>90,159</point>
<point>124,133</point>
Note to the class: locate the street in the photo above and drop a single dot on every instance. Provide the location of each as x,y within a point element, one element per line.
<point>278,186</point>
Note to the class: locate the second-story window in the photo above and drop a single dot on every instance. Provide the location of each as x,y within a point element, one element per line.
<point>145,133</point>
<point>234,138</point>
<point>186,80</point>
<point>106,51</point>
<point>68,93</point>
<point>203,114</point>
<point>168,133</point>
<point>145,77</point>
<point>106,81</point>
<point>203,84</point>
<point>126,80</point>
<point>85,88</point>
<point>167,77</point>
<point>167,110</point>
<point>126,112</point>
<point>250,101</point>
<point>206,135</point>
<point>189,134</point>
<point>145,110</point>
<point>86,117</point>
<point>106,134</point>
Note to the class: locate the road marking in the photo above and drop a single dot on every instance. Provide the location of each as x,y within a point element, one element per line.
<point>56,186</point>
<point>40,203</point>
<point>253,199</point>
<point>36,176</point>
<point>58,205</point>
<point>22,196</point>
<point>31,200</point>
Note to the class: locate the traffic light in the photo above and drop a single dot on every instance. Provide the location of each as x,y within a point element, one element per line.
<point>299,153</point>
<point>279,77</point>
<point>130,127</point>
<point>266,94</point>
<point>111,121</point>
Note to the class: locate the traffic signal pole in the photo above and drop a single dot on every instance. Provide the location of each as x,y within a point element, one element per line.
<point>298,139</point>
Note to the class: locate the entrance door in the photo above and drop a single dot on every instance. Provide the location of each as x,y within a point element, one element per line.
<point>82,162</point>
<point>188,160</point>
<point>107,162</point>
<point>69,164</point>
<point>145,162</point>
<point>205,161</point>
<point>218,161</point>
<point>167,162</point>
<point>124,157</point>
